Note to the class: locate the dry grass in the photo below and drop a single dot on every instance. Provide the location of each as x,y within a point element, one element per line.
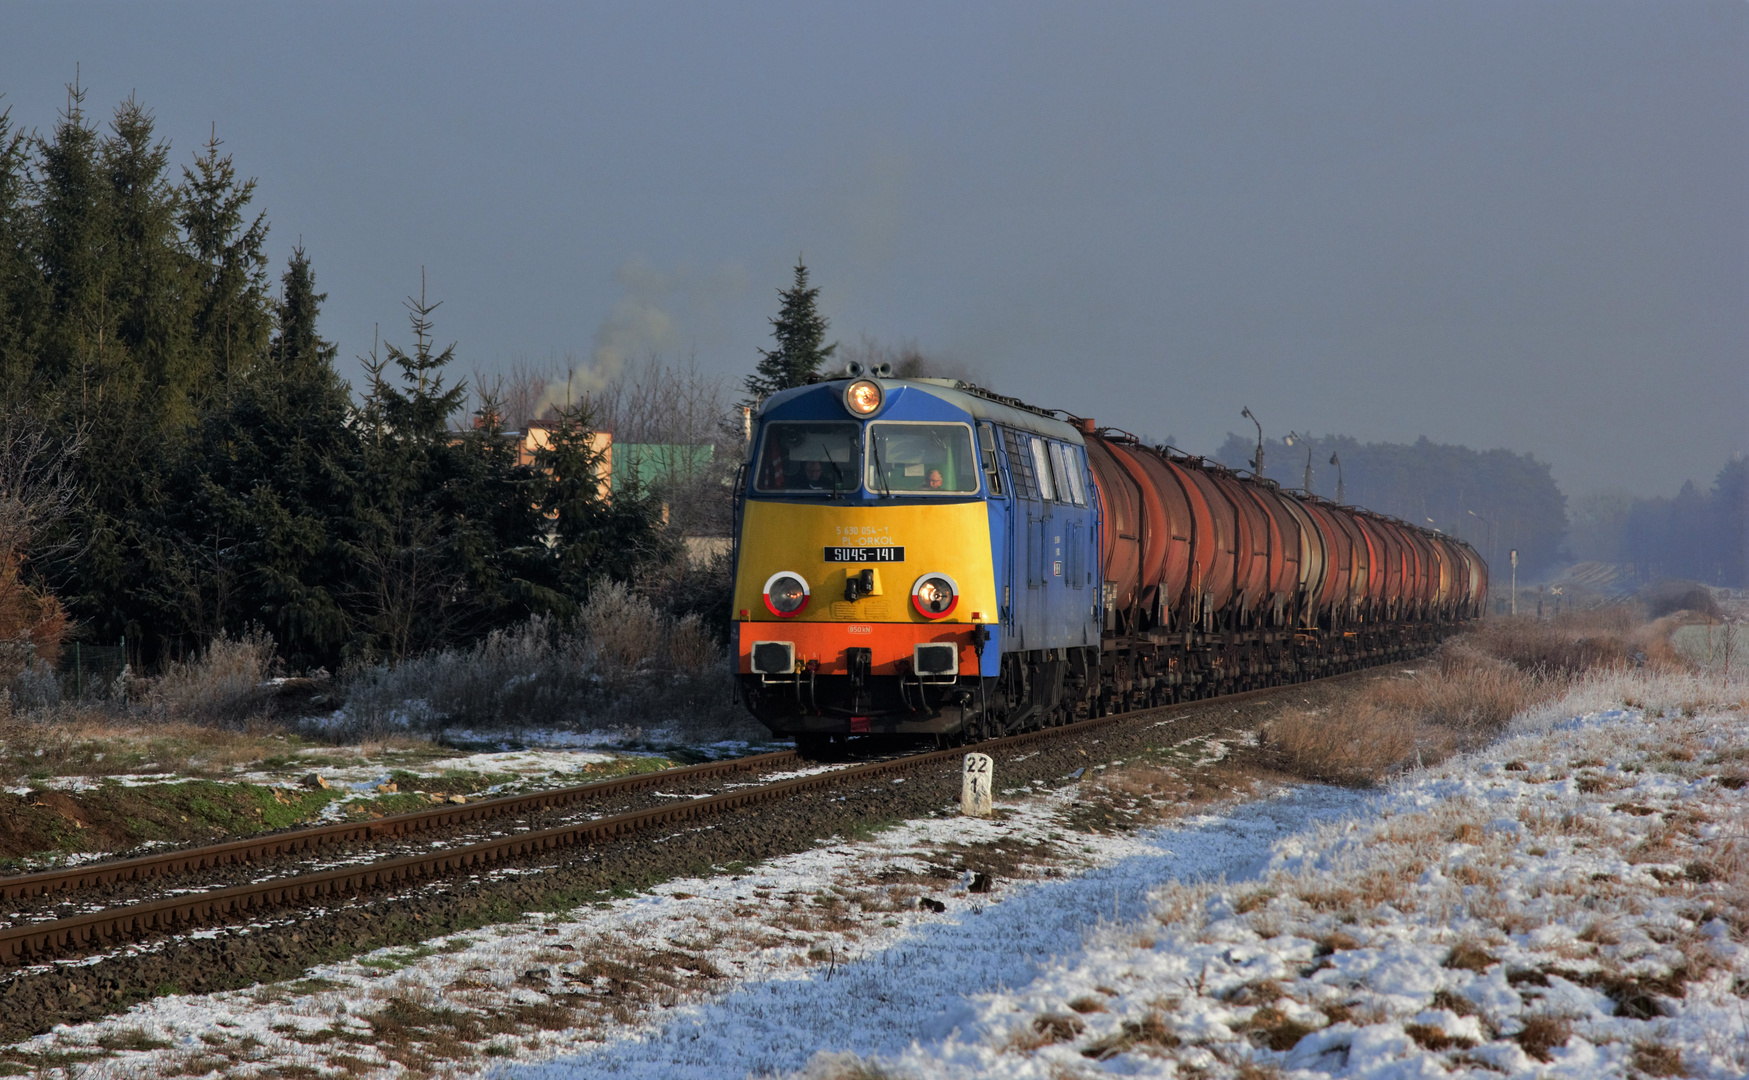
<point>1150,1032</point>
<point>1471,956</point>
<point>1046,1029</point>
<point>1579,641</point>
<point>1657,1059</point>
<point>1540,1035</point>
<point>1355,746</point>
<point>830,1066</point>
<point>1272,1029</point>
<point>72,741</point>
<point>1463,698</point>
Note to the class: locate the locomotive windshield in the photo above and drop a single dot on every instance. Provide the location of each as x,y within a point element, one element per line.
<point>932,459</point>
<point>809,458</point>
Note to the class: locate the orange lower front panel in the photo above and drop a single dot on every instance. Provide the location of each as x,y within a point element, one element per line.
<point>825,642</point>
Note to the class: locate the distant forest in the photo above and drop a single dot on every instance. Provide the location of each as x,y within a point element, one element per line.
<point>1499,500</point>
<point>1701,534</point>
<point>1495,499</point>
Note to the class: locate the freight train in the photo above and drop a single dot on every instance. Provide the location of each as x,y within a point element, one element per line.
<point>923,557</point>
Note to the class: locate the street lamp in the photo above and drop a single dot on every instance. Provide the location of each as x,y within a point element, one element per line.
<point>1257,462</point>
<point>1336,461</point>
<point>1291,436</point>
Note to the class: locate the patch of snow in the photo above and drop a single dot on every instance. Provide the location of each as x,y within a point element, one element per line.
<point>1564,852</point>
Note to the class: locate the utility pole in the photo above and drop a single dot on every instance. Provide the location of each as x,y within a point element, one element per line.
<point>1489,522</point>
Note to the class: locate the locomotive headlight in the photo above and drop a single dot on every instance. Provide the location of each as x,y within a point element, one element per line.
<point>786,594</point>
<point>862,397</point>
<point>934,596</point>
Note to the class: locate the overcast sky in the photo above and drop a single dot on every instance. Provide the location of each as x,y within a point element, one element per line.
<point>1502,224</point>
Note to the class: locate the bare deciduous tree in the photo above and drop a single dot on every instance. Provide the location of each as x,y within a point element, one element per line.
<point>37,490</point>
<point>519,393</point>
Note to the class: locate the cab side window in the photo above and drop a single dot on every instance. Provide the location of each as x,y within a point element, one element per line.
<point>987,454</point>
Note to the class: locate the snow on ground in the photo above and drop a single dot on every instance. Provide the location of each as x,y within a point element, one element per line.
<point>358,774</point>
<point>530,763</point>
<point>611,975</point>
<point>915,985</point>
<point>344,768</point>
<point>1574,901</point>
<point>613,739</point>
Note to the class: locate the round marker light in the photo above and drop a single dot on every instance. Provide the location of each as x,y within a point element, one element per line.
<point>786,594</point>
<point>862,397</point>
<point>935,596</point>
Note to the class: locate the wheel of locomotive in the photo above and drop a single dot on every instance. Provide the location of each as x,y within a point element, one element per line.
<point>813,746</point>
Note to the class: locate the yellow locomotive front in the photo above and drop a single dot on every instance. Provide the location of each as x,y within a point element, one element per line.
<point>865,584</point>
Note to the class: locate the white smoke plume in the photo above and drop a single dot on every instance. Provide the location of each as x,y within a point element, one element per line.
<point>659,314</point>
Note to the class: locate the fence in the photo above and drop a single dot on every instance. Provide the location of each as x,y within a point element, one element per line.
<point>91,669</point>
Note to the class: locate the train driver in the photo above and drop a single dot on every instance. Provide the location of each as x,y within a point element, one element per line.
<point>814,476</point>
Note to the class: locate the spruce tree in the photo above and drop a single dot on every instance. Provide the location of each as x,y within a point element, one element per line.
<point>112,362</point>
<point>297,349</point>
<point>406,593</point>
<point>232,316</point>
<point>21,286</point>
<point>496,543</point>
<point>799,330</point>
<point>73,253</point>
<point>616,538</point>
<point>270,475</point>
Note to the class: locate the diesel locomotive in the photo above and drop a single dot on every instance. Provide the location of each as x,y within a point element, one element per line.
<point>924,557</point>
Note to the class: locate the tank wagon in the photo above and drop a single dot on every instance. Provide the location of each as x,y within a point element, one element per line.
<point>924,557</point>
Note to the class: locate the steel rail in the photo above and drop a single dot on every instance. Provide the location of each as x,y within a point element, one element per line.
<point>81,934</point>
<point>146,867</point>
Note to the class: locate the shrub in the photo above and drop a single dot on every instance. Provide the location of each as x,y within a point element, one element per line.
<point>623,631</point>
<point>1670,596</point>
<point>36,687</point>
<point>625,664</point>
<point>224,685</point>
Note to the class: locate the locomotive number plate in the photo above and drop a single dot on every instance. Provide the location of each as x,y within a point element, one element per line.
<point>865,554</point>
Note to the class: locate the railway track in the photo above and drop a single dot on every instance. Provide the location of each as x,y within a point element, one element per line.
<point>94,931</point>
<point>300,841</point>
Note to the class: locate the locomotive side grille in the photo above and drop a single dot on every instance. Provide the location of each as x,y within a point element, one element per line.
<point>1020,464</point>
